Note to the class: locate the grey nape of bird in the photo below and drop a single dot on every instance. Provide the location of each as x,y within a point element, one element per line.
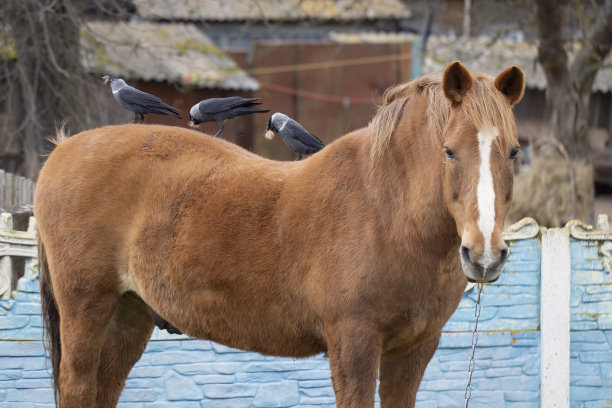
<point>293,134</point>
<point>222,109</point>
<point>141,103</point>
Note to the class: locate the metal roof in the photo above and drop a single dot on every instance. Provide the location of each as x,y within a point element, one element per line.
<point>276,10</point>
<point>486,55</point>
<point>178,53</point>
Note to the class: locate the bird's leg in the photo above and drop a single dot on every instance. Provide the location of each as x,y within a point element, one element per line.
<point>135,118</point>
<point>141,118</point>
<point>299,157</point>
<point>222,123</point>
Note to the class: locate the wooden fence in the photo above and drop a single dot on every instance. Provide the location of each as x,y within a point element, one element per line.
<point>15,191</point>
<point>15,248</point>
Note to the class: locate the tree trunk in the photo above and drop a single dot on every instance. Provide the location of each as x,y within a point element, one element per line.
<point>48,84</point>
<point>569,85</point>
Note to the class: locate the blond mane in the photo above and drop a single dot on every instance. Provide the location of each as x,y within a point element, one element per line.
<point>483,105</point>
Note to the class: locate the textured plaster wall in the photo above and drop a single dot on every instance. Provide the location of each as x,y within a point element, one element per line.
<point>591,328</point>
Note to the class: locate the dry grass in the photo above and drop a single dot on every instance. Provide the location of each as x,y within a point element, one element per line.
<point>543,191</point>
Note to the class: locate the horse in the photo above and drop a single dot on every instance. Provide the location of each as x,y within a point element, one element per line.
<point>362,251</point>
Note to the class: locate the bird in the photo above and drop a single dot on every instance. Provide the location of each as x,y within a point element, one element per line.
<point>141,103</point>
<point>293,134</point>
<point>222,109</point>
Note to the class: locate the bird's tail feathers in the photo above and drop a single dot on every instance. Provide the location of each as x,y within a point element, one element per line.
<point>164,105</point>
<point>170,112</point>
<point>246,110</point>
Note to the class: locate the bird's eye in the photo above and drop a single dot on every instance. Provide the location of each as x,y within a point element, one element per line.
<point>449,153</point>
<point>514,152</point>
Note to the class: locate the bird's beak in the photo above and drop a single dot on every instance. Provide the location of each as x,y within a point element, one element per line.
<point>192,124</point>
<point>105,78</point>
<point>269,134</point>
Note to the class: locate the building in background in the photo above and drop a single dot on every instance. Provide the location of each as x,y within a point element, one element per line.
<point>174,61</point>
<point>329,87</point>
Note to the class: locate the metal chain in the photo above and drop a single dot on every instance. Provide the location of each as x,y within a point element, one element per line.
<point>472,363</point>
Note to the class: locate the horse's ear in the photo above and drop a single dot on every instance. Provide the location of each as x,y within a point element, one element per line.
<point>511,82</point>
<point>456,81</point>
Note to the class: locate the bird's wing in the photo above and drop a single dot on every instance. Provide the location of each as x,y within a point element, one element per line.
<point>134,96</point>
<point>216,105</point>
<point>302,135</point>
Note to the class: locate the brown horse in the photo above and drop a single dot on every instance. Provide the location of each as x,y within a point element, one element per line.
<point>355,251</point>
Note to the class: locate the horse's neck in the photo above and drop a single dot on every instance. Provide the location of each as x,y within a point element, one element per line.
<point>404,188</point>
<point>409,178</point>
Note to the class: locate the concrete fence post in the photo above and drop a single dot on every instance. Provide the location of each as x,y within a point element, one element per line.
<point>555,318</point>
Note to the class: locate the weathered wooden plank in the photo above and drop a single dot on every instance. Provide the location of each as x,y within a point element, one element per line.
<point>9,192</point>
<point>2,188</point>
<point>15,191</point>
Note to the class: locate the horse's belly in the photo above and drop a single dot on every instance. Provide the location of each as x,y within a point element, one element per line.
<point>257,330</point>
<point>253,315</point>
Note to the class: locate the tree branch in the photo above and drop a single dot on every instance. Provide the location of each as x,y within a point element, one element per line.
<point>593,53</point>
<point>551,53</point>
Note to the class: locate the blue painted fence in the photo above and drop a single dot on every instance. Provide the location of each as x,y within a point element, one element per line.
<point>176,371</point>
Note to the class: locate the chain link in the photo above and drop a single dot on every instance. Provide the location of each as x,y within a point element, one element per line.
<point>472,363</point>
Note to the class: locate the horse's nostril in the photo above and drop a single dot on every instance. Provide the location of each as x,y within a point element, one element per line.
<point>465,254</point>
<point>503,256</point>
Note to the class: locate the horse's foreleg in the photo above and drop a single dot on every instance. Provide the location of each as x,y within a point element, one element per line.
<point>354,355</point>
<point>401,374</point>
<point>126,339</point>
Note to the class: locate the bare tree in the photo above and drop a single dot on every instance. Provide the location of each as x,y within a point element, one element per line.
<point>42,80</point>
<point>569,82</point>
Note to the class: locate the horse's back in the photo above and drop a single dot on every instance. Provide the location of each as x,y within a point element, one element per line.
<point>99,189</point>
<point>110,168</point>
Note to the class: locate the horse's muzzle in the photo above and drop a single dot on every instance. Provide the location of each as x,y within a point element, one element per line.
<point>485,269</point>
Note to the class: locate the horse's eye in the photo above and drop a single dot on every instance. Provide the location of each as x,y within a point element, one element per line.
<point>514,152</point>
<point>449,153</point>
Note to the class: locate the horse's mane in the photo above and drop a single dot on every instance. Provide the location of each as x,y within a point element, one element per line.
<point>483,105</point>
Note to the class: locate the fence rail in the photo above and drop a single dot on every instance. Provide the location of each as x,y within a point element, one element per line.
<point>13,245</point>
<point>15,191</point>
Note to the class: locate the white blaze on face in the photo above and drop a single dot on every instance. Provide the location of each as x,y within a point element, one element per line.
<point>486,193</point>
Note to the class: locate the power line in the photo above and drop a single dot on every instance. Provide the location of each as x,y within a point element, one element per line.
<point>329,64</point>
<point>345,100</point>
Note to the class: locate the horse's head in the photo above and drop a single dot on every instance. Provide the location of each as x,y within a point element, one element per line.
<point>479,147</point>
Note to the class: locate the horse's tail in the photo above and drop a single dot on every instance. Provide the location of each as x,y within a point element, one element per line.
<point>61,134</point>
<point>51,318</point>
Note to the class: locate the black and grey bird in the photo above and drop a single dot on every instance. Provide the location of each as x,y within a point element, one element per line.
<point>141,103</point>
<point>293,134</point>
<point>222,109</point>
